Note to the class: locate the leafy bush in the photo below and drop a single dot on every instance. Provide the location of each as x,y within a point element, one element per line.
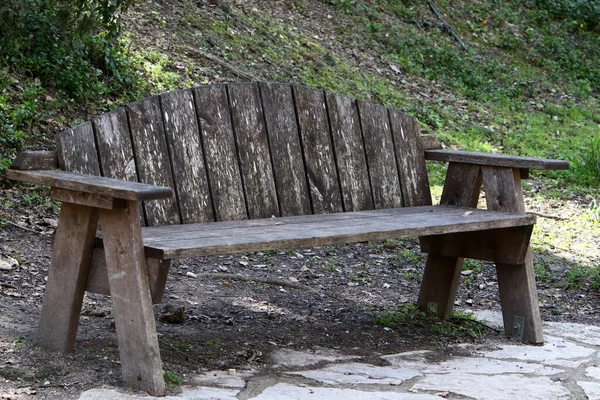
<point>74,48</point>
<point>71,48</point>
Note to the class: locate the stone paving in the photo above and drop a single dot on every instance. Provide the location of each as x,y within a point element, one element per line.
<point>567,366</point>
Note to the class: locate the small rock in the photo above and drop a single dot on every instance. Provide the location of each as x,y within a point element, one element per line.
<point>467,272</point>
<point>8,263</point>
<point>191,274</point>
<point>172,314</point>
<point>387,286</point>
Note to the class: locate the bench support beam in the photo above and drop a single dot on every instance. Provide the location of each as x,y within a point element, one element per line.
<point>132,301</point>
<point>67,276</point>
<point>442,273</point>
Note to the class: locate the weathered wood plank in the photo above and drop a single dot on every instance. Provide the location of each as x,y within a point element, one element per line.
<point>301,231</point>
<point>31,160</point>
<point>350,153</point>
<point>76,150</point>
<point>507,245</point>
<point>114,145</point>
<point>97,281</point>
<point>187,155</point>
<point>132,303</point>
<point>411,164</point>
<point>92,184</point>
<point>518,293</point>
<point>442,273</point>
<point>253,150</point>
<point>152,158</point>
<point>318,150</point>
<point>67,276</point>
<point>184,231</point>
<point>286,152</point>
<point>379,147</point>
<point>86,199</point>
<point>220,153</point>
<point>495,160</point>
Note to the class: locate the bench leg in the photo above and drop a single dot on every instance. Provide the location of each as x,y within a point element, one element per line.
<point>439,284</point>
<point>67,277</point>
<point>442,273</point>
<point>518,292</point>
<point>132,301</point>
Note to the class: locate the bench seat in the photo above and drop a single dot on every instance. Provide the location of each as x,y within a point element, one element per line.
<point>195,240</point>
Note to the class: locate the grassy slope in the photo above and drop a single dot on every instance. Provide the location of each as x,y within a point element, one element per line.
<point>527,84</point>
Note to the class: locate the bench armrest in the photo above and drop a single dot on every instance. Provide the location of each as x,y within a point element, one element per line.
<point>97,185</point>
<point>495,160</point>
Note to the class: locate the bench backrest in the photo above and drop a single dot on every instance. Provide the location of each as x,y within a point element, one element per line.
<point>252,150</point>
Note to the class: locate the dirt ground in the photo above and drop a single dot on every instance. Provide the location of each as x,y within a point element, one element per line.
<point>232,323</point>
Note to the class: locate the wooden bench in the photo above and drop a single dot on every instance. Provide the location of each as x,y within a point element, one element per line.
<point>243,167</point>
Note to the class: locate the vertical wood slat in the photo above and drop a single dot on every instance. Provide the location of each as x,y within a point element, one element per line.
<point>411,163</point>
<point>187,155</point>
<point>318,150</point>
<point>77,150</point>
<point>114,145</point>
<point>286,152</point>
<point>379,148</point>
<point>223,169</point>
<point>152,157</point>
<point>350,154</point>
<point>115,150</point>
<point>253,150</point>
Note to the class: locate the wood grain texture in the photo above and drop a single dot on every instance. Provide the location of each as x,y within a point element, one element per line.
<point>187,155</point>
<point>222,164</point>
<point>495,160</point>
<point>304,231</point>
<point>462,186</point>
<point>286,152</point>
<point>318,150</point>
<point>409,156</point>
<point>86,199</point>
<point>152,158</point>
<point>442,273</point>
<point>253,150</point>
<point>132,302</point>
<point>379,147</point>
<point>32,160</point>
<point>97,281</point>
<point>92,184</point>
<point>350,153</point>
<point>114,145</point>
<point>76,150</point>
<point>507,245</point>
<point>518,293</point>
<point>67,276</point>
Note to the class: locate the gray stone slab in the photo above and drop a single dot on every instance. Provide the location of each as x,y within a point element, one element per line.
<point>581,333</point>
<point>474,365</point>
<point>553,349</point>
<point>286,391</point>
<point>293,358</point>
<point>593,372</point>
<point>225,379</point>
<point>591,389</point>
<point>357,373</point>
<point>203,393</point>
<point>495,387</point>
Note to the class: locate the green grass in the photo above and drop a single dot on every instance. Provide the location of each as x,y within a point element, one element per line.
<point>460,325</point>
